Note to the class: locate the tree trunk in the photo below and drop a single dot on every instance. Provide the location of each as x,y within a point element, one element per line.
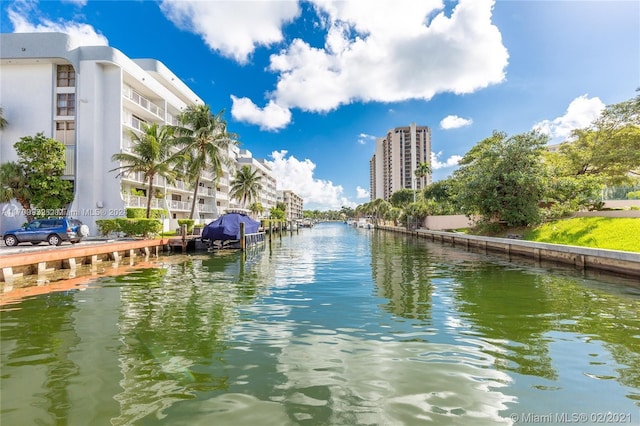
<point>195,197</point>
<point>149,195</point>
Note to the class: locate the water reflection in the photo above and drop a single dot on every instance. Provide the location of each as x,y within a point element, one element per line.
<point>334,326</point>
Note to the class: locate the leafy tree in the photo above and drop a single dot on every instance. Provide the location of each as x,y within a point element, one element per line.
<point>402,198</point>
<point>440,199</point>
<point>503,178</point>
<point>246,185</point>
<point>205,142</point>
<point>609,148</point>
<point>152,154</point>
<point>13,185</point>
<point>276,213</point>
<point>42,162</point>
<point>566,192</point>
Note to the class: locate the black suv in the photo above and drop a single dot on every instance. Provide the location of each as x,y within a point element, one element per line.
<point>53,231</point>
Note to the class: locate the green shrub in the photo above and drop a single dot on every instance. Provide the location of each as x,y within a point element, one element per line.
<point>131,227</point>
<point>107,226</point>
<point>141,213</point>
<point>188,222</point>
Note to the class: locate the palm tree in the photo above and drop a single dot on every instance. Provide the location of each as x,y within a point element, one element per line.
<point>152,154</point>
<point>246,185</point>
<point>13,185</point>
<point>205,142</point>
<point>256,208</point>
<point>421,172</point>
<point>3,121</point>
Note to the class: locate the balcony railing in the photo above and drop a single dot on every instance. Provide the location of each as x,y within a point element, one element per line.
<point>180,205</point>
<point>137,201</point>
<point>145,103</point>
<point>70,160</point>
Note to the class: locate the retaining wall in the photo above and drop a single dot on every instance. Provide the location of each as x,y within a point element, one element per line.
<point>620,262</point>
<point>14,265</point>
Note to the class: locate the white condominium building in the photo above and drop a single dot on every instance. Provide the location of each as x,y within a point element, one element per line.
<point>267,195</point>
<point>91,98</point>
<point>397,156</point>
<point>293,202</point>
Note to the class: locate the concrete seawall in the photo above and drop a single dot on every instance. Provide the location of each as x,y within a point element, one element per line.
<point>619,262</point>
<point>16,265</point>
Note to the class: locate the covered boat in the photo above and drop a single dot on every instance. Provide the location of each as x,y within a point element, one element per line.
<point>227,227</point>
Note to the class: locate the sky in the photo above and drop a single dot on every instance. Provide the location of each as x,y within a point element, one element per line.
<point>309,85</point>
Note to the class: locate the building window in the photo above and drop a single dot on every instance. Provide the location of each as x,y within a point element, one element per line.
<point>66,104</point>
<point>66,76</point>
<point>66,132</point>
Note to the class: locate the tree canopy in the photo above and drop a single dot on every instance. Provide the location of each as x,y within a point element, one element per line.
<point>501,178</point>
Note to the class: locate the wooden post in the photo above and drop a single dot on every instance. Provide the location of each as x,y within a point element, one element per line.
<point>280,228</point>
<point>183,232</point>
<point>242,241</point>
<point>270,230</point>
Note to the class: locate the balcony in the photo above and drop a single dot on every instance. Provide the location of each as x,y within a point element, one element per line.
<point>137,201</point>
<point>180,205</point>
<point>140,100</point>
<point>70,160</point>
<point>205,191</point>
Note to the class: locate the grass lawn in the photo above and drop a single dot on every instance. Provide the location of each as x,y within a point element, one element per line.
<point>596,232</point>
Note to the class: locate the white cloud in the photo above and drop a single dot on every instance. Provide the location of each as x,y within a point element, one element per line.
<point>363,138</point>
<point>81,34</point>
<point>297,176</point>
<point>449,162</point>
<point>361,192</point>
<point>454,122</point>
<point>233,28</point>
<point>271,117</point>
<point>582,111</point>
<point>368,57</point>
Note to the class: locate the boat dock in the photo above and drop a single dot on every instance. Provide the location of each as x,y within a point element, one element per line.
<point>32,261</point>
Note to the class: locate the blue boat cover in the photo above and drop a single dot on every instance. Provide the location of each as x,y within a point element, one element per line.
<point>227,227</point>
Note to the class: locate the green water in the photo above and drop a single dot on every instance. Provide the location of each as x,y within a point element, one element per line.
<point>334,326</point>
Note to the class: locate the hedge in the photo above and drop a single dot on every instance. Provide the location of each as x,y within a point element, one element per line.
<point>130,227</point>
<point>141,213</point>
<point>188,222</point>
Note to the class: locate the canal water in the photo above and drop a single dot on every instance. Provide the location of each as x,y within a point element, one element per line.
<point>331,326</point>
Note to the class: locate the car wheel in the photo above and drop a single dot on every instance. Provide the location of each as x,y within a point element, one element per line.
<point>54,240</point>
<point>10,240</point>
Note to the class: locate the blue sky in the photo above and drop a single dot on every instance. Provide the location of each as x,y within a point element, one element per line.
<point>308,85</point>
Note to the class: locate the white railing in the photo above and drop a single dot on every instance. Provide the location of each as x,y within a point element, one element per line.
<point>70,160</point>
<point>137,201</point>
<point>145,103</point>
<point>180,205</point>
<point>205,191</point>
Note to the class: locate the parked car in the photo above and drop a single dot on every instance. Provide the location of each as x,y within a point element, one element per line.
<point>53,231</point>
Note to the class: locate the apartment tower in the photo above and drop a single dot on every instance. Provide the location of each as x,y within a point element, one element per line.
<point>397,156</point>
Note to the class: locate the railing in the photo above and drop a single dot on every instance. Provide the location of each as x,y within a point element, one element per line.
<point>180,205</point>
<point>137,201</point>
<point>251,239</point>
<point>145,103</point>
<point>205,191</point>
<point>70,160</point>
